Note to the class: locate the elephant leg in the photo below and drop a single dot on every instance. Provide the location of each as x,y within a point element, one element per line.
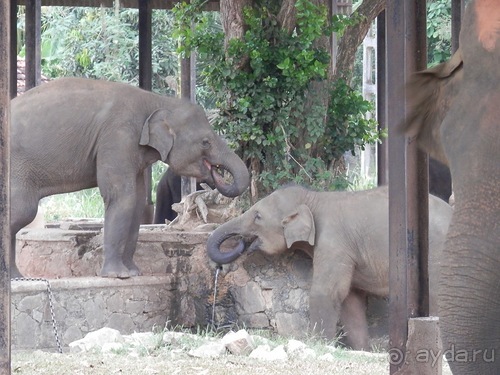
<point>131,245</point>
<point>353,318</point>
<point>328,291</point>
<point>121,221</point>
<point>24,207</point>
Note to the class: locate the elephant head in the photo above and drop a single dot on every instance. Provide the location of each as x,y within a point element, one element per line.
<point>185,141</point>
<point>273,225</point>
<point>455,116</point>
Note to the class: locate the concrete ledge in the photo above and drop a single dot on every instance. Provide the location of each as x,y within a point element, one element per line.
<point>81,305</point>
<point>74,283</point>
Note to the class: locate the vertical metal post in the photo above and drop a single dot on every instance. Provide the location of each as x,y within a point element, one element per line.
<point>146,82</point>
<point>5,348</point>
<point>13,48</point>
<point>188,91</point>
<point>381,100</point>
<point>145,45</point>
<point>33,43</point>
<point>395,112</point>
<point>417,172</point>
<point>405,31</point>
<point>457,9</point>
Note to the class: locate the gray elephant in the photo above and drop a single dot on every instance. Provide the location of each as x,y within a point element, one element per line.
<point>346,234</point>
<point>456,117</point>
<point>169,192</point>
<point>73,134</point>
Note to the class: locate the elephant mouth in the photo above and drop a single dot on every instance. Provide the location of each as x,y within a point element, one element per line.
<point>222,179</point>
<point>245,244</point>
<point>253,245</point>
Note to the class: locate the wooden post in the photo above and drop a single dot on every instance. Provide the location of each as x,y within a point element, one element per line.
<point>146,82</point>
<point>408,184</point>
<point>5,29</point>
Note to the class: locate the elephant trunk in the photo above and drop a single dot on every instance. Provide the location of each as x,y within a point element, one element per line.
<point>238,170</point>
<point>215,241</point>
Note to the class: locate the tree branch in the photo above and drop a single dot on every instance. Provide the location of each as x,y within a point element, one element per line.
<point>354,35</point>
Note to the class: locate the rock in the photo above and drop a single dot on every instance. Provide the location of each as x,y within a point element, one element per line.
<point>264,352</point>
<point>96,340</point>
<point>144,340</point>
<point>239,343</point>
<point>306,354</point>
<point>294,346</point>
<point>209,350</point>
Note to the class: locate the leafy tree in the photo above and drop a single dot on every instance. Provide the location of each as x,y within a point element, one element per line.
<point>103,43</point>
<point>262,85</point>
<point>438,31</point>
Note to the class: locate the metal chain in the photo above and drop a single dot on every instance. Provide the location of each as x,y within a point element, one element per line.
<point>51,306</point>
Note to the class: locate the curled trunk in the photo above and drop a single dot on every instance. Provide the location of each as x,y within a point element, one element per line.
<point>239,172</point>
<point>215,241</point>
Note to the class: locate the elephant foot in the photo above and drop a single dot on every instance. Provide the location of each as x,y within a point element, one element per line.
<point>116,270</point>
<point>132,268</point>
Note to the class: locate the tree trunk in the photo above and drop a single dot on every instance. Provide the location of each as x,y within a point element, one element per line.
<point>354,35</point>
<point>231,14</point>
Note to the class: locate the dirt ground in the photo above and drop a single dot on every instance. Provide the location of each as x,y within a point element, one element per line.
<point>171,363</point>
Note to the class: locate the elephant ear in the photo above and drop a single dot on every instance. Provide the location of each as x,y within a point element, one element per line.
<point>431,93</point>
<point>157,134</point>
<point>299,227</point>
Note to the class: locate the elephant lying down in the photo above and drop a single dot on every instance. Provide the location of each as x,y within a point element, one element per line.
<point>346,234</point>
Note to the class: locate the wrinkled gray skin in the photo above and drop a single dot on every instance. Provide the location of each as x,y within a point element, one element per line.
<point>73,134</point>
<point>346,234</point>
<point>456,118</point>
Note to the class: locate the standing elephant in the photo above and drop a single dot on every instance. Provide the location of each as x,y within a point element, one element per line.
<point>168,192</point>
<point>345,233</point>
<point>72,134</point>
<point>455,116</point>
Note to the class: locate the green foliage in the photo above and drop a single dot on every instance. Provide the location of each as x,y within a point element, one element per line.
<point>438,31</point>
<point>103,43</point>
<point>271,90</point>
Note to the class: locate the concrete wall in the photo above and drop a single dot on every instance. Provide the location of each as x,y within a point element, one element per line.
<point>256,291</point>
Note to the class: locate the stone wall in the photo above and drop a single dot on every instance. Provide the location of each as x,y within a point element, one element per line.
<point>256,291</point>
<point>82,305</point>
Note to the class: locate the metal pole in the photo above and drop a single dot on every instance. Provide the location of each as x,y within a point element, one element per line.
<point>5,348</point>
<point>146,82</point>
<point>457,9</point>
<point>13,48</point>
<point>381,97</point>
<point>145,44</point>
<point>417,173</point>
<point>188,91</point>
<point>33,43</point>
<point>405,54</point>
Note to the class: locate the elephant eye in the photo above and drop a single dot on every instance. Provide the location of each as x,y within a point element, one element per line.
<point>205,143</point>
<point>257,216</point>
